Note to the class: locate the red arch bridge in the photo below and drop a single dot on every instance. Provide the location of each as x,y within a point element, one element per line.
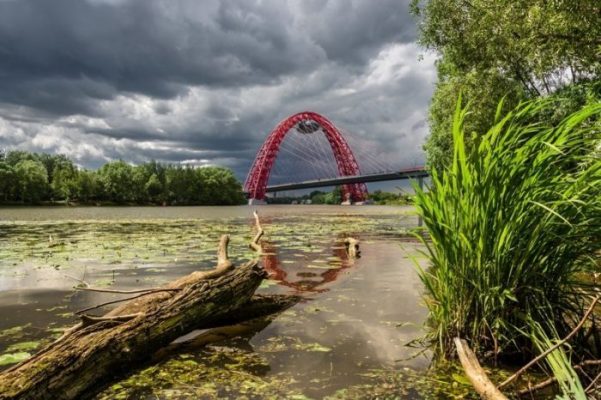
<point>345,170</point>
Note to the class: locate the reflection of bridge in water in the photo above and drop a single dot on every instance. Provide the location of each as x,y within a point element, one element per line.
<point>312,280</point>
<point>314,152</point>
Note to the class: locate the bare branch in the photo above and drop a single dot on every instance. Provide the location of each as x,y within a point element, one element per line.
<point>255,244</point>
<point>552,380</point>
<point>84,283</point>
<point>554,347</point>
<point>222,256</point>
<point>593,383</point>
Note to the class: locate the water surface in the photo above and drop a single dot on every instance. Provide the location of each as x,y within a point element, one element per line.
<point>349,334</point>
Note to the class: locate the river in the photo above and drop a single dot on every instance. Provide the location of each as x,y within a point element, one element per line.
<point>350,336</point>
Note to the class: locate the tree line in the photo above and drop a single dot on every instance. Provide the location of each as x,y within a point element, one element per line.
<point>33,178</point>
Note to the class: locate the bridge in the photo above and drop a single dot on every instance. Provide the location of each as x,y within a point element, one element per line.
<point>302,132</point>
<point>412,173</point>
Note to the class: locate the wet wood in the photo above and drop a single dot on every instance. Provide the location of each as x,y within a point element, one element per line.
<point>352,247</point>
<point>477,376</point>
<point>104,346</point>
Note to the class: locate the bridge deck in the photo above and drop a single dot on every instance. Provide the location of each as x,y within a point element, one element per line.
<point>381,177</point>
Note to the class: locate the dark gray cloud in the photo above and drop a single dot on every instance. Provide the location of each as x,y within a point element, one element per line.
<point>205,81</point>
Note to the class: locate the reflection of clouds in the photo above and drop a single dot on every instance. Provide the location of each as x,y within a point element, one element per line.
<point>389,289</point>
<point>26,276</point>
<point>357,318</point>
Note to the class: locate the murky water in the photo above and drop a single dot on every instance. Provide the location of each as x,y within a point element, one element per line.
<point>347,339</point>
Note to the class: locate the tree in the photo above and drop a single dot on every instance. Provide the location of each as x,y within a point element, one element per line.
<point>88,186</point>
<point>317,197</point>
<point>181,185</point>
<point>12,158</point>
<point>220,186</point>
<point>54,163</point>
<point>64,181</point>
<point>140,176</point>
<point>7,181</point>
<point>154,188</point>
<point>117,180</point>
<point>32,180</point>
<point>334,197</point>
<point>518,49</point>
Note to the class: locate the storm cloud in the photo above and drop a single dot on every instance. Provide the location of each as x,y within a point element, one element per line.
<point>204,82</point>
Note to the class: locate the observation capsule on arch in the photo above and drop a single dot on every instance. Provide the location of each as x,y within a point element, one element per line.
<point>307,126</point>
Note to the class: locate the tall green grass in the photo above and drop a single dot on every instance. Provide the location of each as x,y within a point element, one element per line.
<point>514,225</point>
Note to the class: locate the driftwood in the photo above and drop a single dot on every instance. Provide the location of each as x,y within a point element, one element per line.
<point>352,247</point>
<point>102,347</point>
<point>477,376</point>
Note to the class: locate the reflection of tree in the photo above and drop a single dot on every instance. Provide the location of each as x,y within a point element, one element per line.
<point>277,272</point>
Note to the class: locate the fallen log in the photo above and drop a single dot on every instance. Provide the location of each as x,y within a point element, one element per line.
<point>101,347</point>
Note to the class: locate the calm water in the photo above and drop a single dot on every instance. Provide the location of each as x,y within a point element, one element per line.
<point>349,335</point>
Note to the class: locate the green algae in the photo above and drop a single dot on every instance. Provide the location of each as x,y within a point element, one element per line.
<point>215,373</point>
<point>13,358</point>
<point>14,331</point>
<point>23,346</point>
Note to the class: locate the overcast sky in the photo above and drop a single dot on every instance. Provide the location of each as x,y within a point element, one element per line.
<point>204,81</point>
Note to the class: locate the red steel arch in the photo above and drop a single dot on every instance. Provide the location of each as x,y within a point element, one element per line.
<point>256,181</point>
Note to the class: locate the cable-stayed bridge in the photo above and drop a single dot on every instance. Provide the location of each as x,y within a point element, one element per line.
<point>307,151</point>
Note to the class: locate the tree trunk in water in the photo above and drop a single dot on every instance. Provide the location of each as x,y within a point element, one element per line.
<point>101,347</point>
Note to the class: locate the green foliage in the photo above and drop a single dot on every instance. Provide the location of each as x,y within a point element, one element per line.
<point>64,181</point>
<point>559,363</point>
<point>88,186</point>
<point>116,178</point>
<point>220,186</point>
<point>33,178</point>
<point>333,197</point>
<point>315,197</point>
<point>518,49</point>
<point>386,198</point>
<point>7,181</point>
<point>154,188</point>
<point>31,181</point>
<point>512,222</point>
<point>482,89</point>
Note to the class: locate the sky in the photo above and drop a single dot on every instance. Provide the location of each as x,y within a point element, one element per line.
<point>203,82</point>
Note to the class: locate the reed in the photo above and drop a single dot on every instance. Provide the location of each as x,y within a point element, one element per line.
<point>514,225</point>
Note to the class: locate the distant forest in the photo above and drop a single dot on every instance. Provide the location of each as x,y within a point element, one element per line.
<point>38,178</point>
